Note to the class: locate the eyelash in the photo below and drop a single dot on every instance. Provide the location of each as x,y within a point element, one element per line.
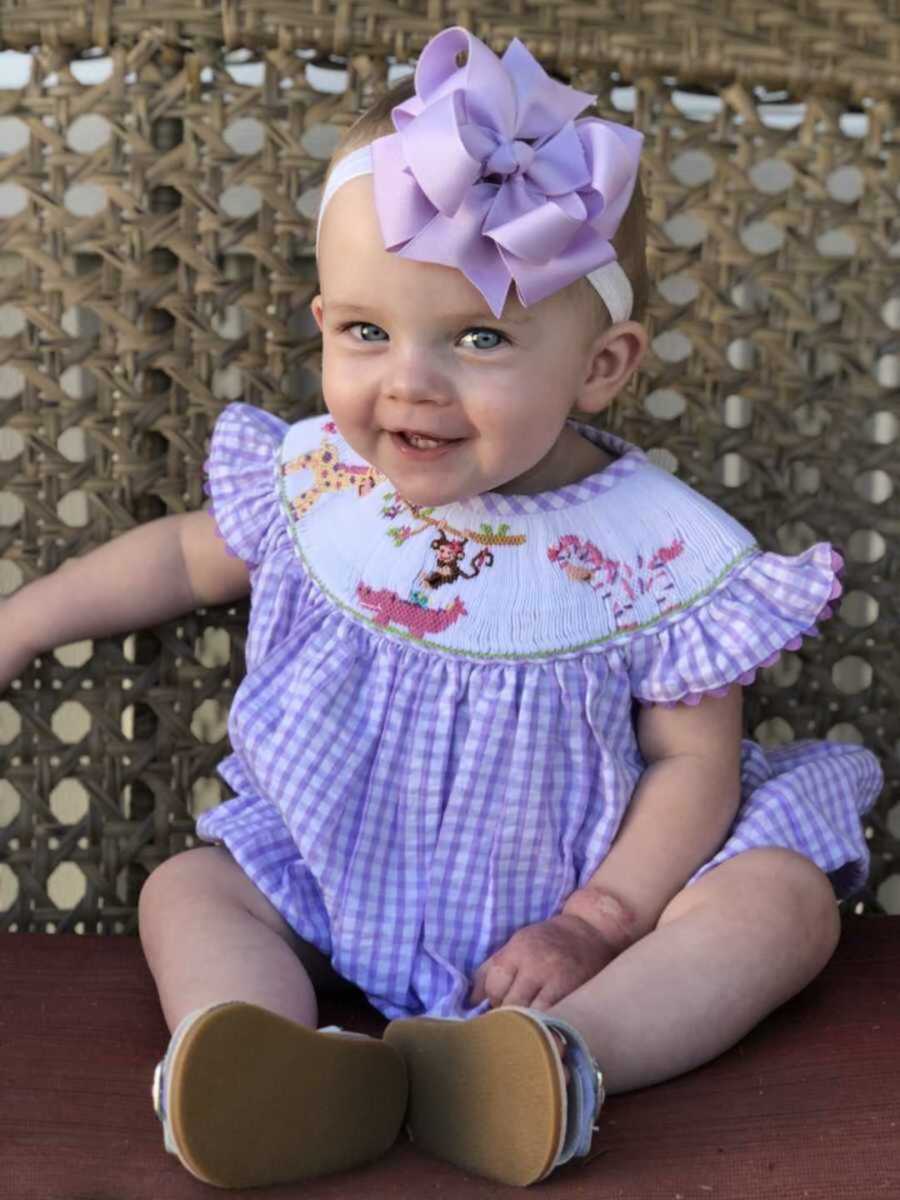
<point>504,339</point>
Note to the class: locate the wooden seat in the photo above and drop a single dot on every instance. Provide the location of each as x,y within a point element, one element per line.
<point>808,1105</point>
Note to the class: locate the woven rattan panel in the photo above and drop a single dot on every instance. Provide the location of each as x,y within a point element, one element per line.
<point>155,262</point>
<point>826,43</point>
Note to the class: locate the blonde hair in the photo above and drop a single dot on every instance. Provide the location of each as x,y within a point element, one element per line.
<point>630,239</point>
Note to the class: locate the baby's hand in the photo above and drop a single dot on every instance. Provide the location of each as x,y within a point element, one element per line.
<point>13,661</point>
<point>15,655</point>
<point>542,963</point>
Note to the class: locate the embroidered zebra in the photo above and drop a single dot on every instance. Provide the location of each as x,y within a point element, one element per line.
<point>621,584</point>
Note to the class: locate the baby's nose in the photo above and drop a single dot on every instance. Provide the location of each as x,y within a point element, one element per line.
<point>414,377</point>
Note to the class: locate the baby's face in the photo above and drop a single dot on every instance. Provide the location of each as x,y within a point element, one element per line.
<point>412,349</point>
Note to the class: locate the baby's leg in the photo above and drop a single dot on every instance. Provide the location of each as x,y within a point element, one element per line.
<point>247,1098</point>
<point>726,951</point>
<point>210,935</point>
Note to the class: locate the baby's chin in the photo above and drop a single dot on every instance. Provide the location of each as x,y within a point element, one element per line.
<point>428,497</point>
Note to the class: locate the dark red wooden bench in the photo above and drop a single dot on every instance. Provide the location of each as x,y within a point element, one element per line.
<point>807,1106</point>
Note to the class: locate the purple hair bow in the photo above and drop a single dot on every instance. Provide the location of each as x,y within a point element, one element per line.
<point>489,172</point>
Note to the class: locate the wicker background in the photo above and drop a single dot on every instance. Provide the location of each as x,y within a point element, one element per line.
<point>156,262</point>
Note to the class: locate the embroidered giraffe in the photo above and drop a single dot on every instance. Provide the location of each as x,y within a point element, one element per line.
<point>329,475</point>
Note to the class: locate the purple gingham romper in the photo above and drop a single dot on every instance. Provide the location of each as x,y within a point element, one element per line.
<point>434,743</point>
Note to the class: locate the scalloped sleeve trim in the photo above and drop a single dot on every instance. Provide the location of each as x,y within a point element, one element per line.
<point>768,605</point>
<point>240,479</point>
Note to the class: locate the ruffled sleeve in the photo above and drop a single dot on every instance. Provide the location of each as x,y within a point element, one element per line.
<point>767,605</point>
<point>241,479</point>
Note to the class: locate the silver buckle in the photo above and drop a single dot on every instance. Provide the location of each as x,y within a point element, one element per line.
<point>601,1096</point>
<point>157,1091</point>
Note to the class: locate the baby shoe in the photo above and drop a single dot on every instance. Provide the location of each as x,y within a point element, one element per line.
<point>489,1094</point>
<point>248,1098</point>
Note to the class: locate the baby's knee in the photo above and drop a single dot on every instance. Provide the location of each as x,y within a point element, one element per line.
<point>808,904</point>
<point>795,901</point>
<point>775,896</point>
<point>177,886</point>
<point>199,886</point>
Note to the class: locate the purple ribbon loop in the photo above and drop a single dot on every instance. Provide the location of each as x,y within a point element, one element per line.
<point>489,172</point>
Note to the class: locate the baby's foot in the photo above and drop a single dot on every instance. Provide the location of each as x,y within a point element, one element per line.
<point>248,1098</point>
<point>492,1095</point>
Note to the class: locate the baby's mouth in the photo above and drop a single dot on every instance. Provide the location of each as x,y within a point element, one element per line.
<point>422,441</point>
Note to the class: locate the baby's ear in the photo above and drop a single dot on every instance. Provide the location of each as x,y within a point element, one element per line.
<point>316,308</point>
<point>612,359</point>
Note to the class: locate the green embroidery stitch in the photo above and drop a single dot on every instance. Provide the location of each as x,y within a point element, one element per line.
<point>620,635</point>
<point>399,534</point>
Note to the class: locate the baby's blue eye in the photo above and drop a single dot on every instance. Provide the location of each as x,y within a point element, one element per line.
<point>483,339</point>
<point>369,332</point>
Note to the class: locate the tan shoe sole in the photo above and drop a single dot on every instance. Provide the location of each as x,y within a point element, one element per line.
<point>255,1099</point>
<point>487,1094</point>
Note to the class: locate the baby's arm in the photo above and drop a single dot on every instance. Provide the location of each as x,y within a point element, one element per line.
<point>684,804</point>
<point>152,573</point>
<point>679,815</point>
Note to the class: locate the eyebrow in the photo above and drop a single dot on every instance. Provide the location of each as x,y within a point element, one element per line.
<point>466,316</point>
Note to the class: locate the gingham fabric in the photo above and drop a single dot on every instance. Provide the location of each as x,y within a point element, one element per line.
<point>408,796</point>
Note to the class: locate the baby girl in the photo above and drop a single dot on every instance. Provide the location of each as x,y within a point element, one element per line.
<point>487,757</point>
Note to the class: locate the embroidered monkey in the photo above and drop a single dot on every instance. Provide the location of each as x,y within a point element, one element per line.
<point>451,553</point>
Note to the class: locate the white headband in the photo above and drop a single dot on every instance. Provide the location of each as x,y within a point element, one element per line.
<point>609,281</point>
